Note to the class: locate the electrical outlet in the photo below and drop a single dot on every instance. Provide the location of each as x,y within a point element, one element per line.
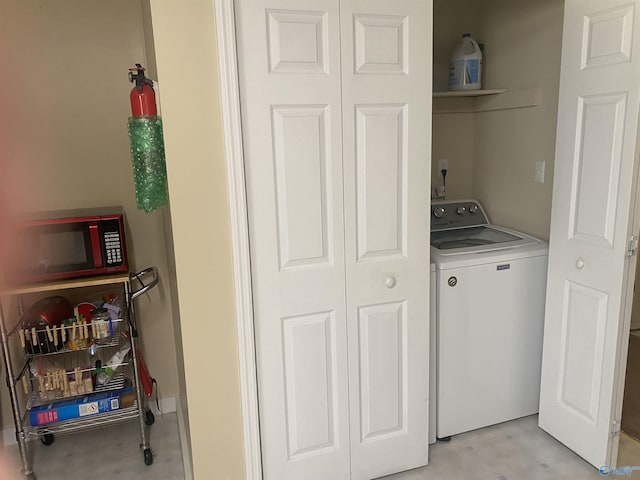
<point>538,175</point>
<point>443,164</point>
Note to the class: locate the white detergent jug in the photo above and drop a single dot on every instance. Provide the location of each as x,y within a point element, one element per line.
<point>465,67</point>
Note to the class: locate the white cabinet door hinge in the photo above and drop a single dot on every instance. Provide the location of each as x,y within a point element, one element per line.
<point>632,248</point>
<point>615,428</point>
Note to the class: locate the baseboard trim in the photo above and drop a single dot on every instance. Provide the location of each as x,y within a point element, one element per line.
<point>9,437</point>
<point>167,405</point>
<point>184,441</point>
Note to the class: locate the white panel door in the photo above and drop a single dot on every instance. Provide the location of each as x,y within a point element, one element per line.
<point>289,72</point>
<point>386,104</point>
<point>593,195</point>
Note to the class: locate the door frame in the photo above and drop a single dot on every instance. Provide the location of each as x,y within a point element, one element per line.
<point>234,157</point>
<point>628,283</point>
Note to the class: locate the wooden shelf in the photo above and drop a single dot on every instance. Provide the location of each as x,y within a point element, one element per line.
<point>468,93</point>
<point>64,284</point>
<point>475,101</point>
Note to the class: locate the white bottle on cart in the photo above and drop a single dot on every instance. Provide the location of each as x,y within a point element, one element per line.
<point>465,66</point>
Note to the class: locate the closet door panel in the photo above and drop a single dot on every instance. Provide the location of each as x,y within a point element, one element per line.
<point>302,187</point>
<point>383,382</point>
<point>289,74</point>
<point>381,166</point>
<point>386,105</point>
<point>310,379</point>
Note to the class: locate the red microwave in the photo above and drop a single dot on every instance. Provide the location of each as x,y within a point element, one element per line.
<point>67,244</point>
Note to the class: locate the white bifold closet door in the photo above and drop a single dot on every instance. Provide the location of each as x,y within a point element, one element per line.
<point>386,115</point>
<point>335,99</point>
<point>594,195</point>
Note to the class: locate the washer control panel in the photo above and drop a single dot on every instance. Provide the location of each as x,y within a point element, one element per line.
<point>457,214</point>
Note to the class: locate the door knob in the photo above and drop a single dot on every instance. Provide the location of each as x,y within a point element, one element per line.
<point>390,282</point>
<point>579,264</point>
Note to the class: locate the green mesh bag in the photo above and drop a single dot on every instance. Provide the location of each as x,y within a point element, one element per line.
<point>149,168</point>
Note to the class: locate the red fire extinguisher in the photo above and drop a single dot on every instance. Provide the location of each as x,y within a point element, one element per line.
<point>147,144</point>
<point>142,96</point>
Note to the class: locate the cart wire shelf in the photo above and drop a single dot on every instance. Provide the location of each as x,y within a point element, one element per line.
<point>47,348</point>
<point>117,382</point>
<point>86,423</point>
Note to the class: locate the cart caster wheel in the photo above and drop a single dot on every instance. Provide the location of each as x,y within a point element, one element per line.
<point>148,456</point>
<point>149,419</point>
<point>47,439</point>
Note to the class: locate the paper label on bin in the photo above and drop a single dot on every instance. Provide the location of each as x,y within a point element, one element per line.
<point>88,409</point>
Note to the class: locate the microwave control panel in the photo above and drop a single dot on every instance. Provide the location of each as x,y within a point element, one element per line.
<point>112,243</point>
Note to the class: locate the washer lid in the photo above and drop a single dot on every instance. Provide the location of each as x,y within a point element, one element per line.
<point>478,239</point>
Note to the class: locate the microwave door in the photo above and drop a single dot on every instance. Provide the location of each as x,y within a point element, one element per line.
<point>60,248</point>
<point>96,251</point>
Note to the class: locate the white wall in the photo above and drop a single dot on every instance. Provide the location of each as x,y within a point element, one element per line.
<point>185,42</point>
<point>453,133</point>
<point>453,140</point>
<point>492,155</point>
<point>523,43</point>
<point>64,104</point>
<point>451,18</point>
<point>183,412</point>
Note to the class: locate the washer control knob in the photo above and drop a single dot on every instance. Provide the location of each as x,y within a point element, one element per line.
<point>461,210</point>
<point>473,209</point>
<point>438,212</point>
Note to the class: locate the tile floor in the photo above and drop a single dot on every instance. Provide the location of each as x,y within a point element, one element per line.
<point>516,450</point>
<point>629,451</point>
<point>104,454</point>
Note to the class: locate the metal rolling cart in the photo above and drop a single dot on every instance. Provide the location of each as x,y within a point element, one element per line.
<point>23,348</point>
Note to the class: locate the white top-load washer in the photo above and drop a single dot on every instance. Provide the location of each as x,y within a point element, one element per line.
<point>490,298</point>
